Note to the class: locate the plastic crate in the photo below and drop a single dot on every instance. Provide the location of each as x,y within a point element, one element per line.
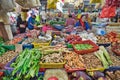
<point>73,70</point>
<point>38,45</point>
<point>104,44</point>
<point>97,69</point>
<point>52,65</point>
<point>95,47</point>
<point>113,28</point>
<point>1,73</point>
<point>113,68</point>
<point>114,50</point>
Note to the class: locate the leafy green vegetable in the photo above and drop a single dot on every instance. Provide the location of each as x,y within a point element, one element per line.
<point>27,64</point>
<point>106,54</point>
<point>101,57</point>
<point>83,46</point>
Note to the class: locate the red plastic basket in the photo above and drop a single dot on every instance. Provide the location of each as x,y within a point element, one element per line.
<point>95,47</point>
<point>1,74</point>
<point>114,50</point>
<point>73,70</point>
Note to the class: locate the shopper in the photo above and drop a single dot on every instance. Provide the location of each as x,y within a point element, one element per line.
<point>31,22</point>
<point>70,21</point>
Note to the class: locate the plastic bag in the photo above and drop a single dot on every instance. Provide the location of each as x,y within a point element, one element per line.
<point>108,12</point>
<point>51,4</point>
<point>95,1</point>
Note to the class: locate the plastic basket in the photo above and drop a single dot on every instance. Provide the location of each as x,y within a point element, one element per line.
<point>113,68</point>
<point>38,45</point>
<point>52,65</point>
<point>73,70</point>
<point>1,73</point>
<point>104,44</point>
<point>114,50</point>
<point>95,47</point>
<point>97,69</point>
<point>113,28</point>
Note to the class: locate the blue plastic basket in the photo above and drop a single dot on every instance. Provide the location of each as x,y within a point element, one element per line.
<point>113,68</point>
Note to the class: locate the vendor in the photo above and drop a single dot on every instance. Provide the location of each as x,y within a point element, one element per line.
<point>31,22</point>
<point>83,23</point>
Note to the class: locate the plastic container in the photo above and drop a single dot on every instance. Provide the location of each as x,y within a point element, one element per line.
<point>1,74</point>
<point>104,44</point>
<point>73,70</point>
<point>113,68</point>
<point>28,46</point>
<point>52,65</point>
<point>97,69</point>
<point>38,45</point>
<point>95,47</point>
<point>114,50</point>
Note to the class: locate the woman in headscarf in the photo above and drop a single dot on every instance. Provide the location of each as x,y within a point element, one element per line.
<point>83,23</point>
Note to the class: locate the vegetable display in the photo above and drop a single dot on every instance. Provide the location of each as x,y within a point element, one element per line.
<point>88,36</point>
<point>91,61</point>
<point>4,48</point>
<point>83,46</point>
<point>55,57</point>
<point>104,56</point>
<point>27,64</point>
<point>80,75</point>
<point>102,39</point>
<point>110,75</point>
<point>7,57</point>
<point>1,40</point>
<point>114,37</point>
<point>73,38</point>
<point>116,49</point>
<point>55,74</point>
<point>74,61</point>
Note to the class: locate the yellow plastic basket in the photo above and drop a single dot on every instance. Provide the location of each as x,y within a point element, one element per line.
<point>39,45</point>
<point>52,65</point>
<point>97,69</point>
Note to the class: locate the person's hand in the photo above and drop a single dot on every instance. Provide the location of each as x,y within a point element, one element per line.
<point>35,27</point>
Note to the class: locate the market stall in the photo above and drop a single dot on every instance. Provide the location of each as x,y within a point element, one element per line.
<point>55,50</point>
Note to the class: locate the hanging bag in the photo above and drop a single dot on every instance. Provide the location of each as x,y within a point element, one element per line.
<point>95,1</point>
<point>108,12</point>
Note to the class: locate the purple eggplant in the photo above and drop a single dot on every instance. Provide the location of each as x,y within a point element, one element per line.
<point>96,74</point>
<point>80,75</point>
<point>102,78</point>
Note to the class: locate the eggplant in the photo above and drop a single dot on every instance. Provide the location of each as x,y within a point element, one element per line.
<point>96,74</point>
<point>80,75</point>
<point>102,78</point>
